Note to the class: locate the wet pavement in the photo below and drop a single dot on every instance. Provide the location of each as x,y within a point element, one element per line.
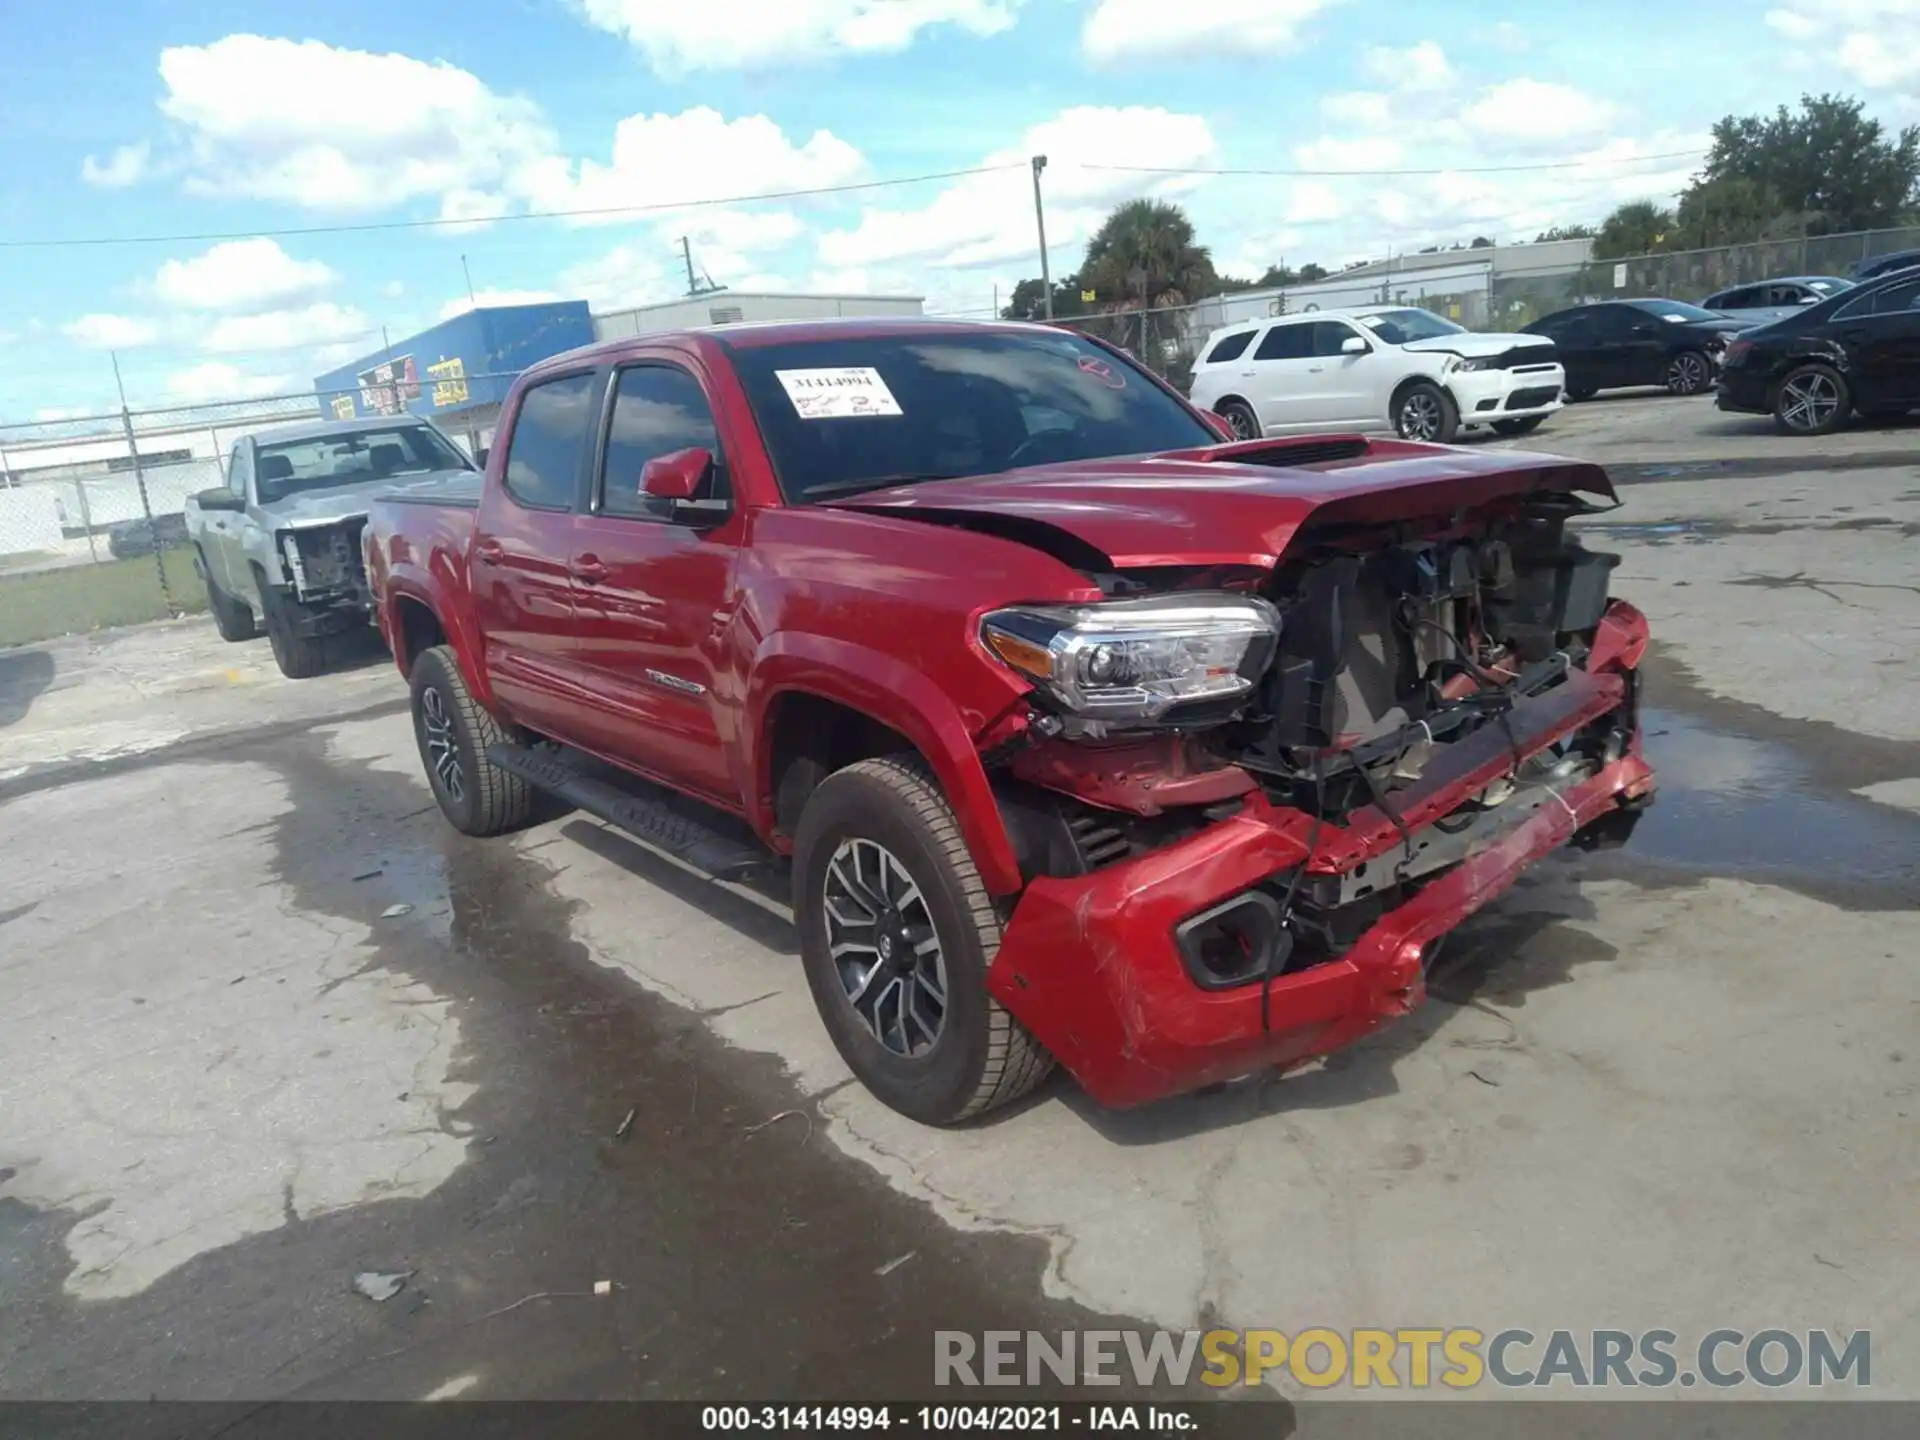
<point>271,1023</point>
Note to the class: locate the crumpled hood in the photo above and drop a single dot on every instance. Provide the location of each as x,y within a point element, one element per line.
<point>1476,346</point>
<point>349,502</point>
<point>1215,506</point>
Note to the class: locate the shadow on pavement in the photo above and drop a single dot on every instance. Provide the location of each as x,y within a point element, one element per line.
<point>24,674</point>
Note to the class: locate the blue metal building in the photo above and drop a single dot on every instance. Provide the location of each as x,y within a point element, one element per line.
<point>458,371</point>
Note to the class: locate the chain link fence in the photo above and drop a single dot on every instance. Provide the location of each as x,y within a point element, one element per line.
<point>93,528</point>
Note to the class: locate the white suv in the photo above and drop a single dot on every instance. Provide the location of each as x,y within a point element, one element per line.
<point>1377,368</point>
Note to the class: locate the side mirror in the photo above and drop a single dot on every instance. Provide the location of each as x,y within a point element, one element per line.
<point>220,498</point>
<point>1354,345</point>
<point>1810,299</point>
<point>678,475</point>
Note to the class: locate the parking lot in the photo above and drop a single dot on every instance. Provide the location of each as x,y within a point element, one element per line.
<point>269,1023</point>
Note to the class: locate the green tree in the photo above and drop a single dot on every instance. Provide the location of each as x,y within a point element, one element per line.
<point>1638,227</point>
<point>1025,302</point>
<point>1565,232</point>
<point>1729,210</point>
<point>1480,242</point>
<point>1827,165</point>
<point>1310,273</point>
<point>1145,256</point>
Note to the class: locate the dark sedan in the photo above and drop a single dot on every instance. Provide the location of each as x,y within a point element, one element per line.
<point>1858,353</point>
<point>1637,342</point>
<point>1878,265</point>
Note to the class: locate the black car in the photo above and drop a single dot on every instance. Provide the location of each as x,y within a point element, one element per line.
<point>1856,353</point>
<point>1637,342</point>
<point>1876,266</point>
<point>143,537</point>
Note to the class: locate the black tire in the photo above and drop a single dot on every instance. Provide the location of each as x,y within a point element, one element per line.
<point>1812,400</point>
<point>476,795</point>
<point>979,1056</point>
<point>1423,411</point>
<point>1689,373</point>
<point>1585,392</point>
<point>1525,425</point>
<point>1241,419</point>
<point>300,657</point>
<point>232,618</point>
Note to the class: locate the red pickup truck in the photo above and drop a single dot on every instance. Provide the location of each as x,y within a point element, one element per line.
<point>1086,736</point>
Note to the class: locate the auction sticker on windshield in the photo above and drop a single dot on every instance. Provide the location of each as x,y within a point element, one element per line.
<point>839,393</point>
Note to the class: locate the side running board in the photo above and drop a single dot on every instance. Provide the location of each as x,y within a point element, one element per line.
<point>650,821</point>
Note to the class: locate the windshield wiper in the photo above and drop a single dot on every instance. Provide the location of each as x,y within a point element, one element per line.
<point>872,482</point>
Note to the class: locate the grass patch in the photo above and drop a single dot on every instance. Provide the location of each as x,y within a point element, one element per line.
<point>77,598</point>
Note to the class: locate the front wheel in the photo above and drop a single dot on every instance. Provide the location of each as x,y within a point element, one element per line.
<point>1525,425</point>
<point>454,731</point>
<point>1240,419</point>
<point>1425,412</point>
<point>300,657</point>
<point>896,933</point>
<point>1813,400</point>
<point>1688,373</point>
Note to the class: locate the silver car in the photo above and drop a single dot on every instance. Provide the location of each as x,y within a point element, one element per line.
<point>1771,300</point>
<point>279,544</point>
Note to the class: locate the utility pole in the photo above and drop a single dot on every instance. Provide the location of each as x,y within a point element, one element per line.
<point>140,480</point>
<point>1040,222</point>
<point>686,253</point>
<point>469,274</point>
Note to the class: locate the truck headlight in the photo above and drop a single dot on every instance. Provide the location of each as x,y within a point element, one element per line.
<point>1165,660</point>
<point>290,549</point>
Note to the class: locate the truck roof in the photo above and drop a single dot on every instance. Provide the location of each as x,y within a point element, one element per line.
<point>750,334</point>
<point>321,429</point>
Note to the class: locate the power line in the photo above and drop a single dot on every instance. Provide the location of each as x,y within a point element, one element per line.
<point>657,207</point>
<point>1389,174</point>
<point>441,222</point>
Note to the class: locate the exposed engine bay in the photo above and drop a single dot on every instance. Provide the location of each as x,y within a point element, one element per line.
<point>325,565</point>
<point>1394,643</point>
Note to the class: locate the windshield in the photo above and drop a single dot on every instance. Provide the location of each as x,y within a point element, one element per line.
<point>1674,310</point>
<point>864,412</point>
<point>1397,327</point>
<point>327,462</point>
<point>1829,284</point>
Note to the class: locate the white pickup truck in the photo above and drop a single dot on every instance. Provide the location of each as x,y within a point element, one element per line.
<point>279,544</point>
<point>1372,368</point>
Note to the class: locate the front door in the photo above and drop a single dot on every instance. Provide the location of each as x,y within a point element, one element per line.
<point>1632,348</point>
<point>221,545</point>
<point>1884,343</point>
<point>1345,392</point>
<point>521,552</point>
<point>653,581</point>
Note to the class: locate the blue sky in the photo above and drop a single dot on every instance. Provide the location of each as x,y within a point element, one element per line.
<point>152,117</point>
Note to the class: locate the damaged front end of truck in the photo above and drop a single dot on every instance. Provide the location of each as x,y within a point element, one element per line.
<point>1251,792</point>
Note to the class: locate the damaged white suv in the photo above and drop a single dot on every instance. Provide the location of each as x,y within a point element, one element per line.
<point>1384,367</point>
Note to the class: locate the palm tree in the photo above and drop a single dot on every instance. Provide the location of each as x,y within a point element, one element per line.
<point>1638,227</point>
<point>1144,257</point>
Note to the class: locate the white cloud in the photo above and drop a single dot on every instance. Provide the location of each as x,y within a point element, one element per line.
<point>696,155</point>
<point>328,128</point>
<point>1418,67</point>
<point>1148,30</point>
<point>483,299</point>
<point>1876,42</point>
<point>113,332</point>
<point>1363,109</point>
<point>1507,37</point>
<point>626,276</point>
<point>241,275</point>
<point>217,380</point>
<point>1536,114</point>
<point>123,167</point>
<point>1368,152</point>
<point>988,219</point>
<point>287,329</point>
<point>743,34</point>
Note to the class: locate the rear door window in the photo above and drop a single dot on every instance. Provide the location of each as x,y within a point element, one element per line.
<point>549,443</point>
<point>1231,348</point>
<point>1286,342</point>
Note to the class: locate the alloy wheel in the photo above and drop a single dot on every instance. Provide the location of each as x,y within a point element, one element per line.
<point>443,745</point>
<point>1687,375</point>
<point>1241,422</point>
<point>882,940</point>
<point>1420,416</point>
<point>1808,401</point>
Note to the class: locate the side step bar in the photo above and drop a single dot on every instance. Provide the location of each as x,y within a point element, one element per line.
<point>651,821</point>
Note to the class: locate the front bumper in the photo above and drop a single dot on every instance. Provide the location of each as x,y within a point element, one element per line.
<point>1487,395</point>
<point>1091,965</point>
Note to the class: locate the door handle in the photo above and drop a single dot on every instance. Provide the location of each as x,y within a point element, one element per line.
<point>588,570</point>
<point>489,552</point>
<point>1315,369</point>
